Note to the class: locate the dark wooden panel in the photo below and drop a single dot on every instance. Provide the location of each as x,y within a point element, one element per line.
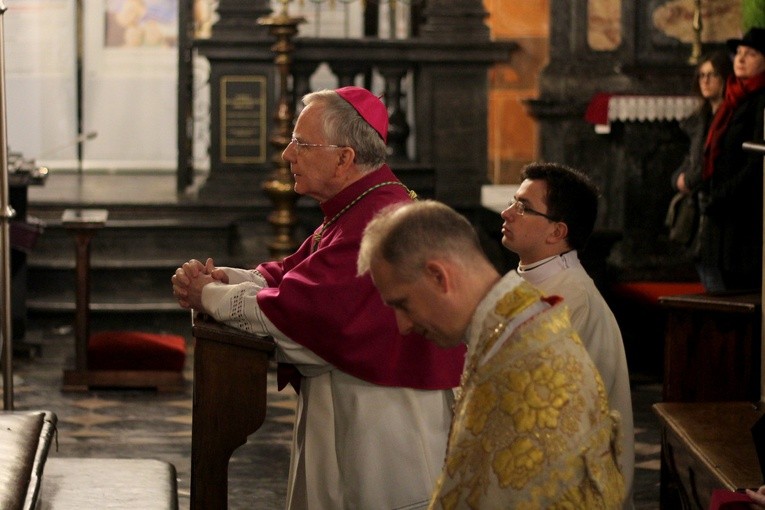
<point>229,404</point>
<point>712,348</point>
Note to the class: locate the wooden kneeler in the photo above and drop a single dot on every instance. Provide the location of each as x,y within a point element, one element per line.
<point>129,359</point>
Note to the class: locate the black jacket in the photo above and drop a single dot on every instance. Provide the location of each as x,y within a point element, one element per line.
<point>731,200</point>
<point>695,127</point>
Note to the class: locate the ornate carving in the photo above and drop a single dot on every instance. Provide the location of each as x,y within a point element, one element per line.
<point>721,20</point>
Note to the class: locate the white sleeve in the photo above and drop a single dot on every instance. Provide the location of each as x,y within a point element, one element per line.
<point>237,275</point>
<point>236,305</point>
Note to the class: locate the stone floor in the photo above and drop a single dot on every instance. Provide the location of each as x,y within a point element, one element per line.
<point>145,424</point>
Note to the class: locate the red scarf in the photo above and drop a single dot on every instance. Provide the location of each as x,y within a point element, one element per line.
<point>735,91</point>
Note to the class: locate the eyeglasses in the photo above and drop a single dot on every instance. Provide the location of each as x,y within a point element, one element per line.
<point>522,209</point>
<point>709,75</point>
<point>303,145</point>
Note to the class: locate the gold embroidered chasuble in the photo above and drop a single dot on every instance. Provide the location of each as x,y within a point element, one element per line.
<point>532,428</point>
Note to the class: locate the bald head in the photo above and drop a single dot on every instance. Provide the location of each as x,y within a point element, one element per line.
<point>428,265</point>
<point>405,235</point>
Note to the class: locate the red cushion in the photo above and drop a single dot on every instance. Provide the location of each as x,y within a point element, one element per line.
<point>723,499</point>
<point>136,350</point>
<point>650,292</point>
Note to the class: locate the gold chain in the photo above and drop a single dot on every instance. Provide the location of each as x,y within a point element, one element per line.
<point>317,236</point>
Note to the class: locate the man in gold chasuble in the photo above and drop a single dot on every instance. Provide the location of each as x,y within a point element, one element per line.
<point>532,428</point>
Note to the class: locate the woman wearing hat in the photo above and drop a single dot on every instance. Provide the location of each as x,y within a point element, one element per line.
<point>730,236</point>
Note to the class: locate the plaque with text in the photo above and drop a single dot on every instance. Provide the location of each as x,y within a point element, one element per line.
<point>243,107</point>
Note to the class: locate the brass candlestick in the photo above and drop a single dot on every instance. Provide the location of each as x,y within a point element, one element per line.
<point>697,26</point>
<point>280,187</point>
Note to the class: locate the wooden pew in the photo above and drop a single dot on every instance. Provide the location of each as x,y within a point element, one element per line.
<point>712,347</point>
<point>707,446</point>
<point>25,438</point>
<point>714,353</point>
<point>710,395</point>
<point>229,404</point>
<point>30,478</point>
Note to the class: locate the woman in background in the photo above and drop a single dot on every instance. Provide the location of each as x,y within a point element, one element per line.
<point>709,81</point>
<point>730,196</point>
<point>709,84</point>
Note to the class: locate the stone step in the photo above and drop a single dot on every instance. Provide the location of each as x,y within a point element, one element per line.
<point>132,260</point>
<point>133,256</point>
<point>146,305</point>
<point>54,288</point>
<point>175,320</point>
<point>130,266</point>
<point>139,240</point>
<point>98,261</point>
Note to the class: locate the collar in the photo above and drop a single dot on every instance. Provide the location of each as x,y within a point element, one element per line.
<point>486,306</point>
<point>541,270</point>
<point>346,195</point>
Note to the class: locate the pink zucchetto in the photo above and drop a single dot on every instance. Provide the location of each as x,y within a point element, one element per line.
<point>369,107</point>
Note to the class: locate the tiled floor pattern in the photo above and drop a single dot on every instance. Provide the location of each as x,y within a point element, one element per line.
<point>138,424</point>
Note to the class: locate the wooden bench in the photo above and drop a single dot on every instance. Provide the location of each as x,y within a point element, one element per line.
<point>110,484</point>
<point>25,439</point>
<point>32,480</point>
<point>83,225</point>
<point>706,446</point>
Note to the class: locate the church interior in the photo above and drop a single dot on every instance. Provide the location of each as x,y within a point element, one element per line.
<point>159,140</point>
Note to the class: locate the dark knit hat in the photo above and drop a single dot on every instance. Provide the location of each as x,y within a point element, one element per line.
<point>369,107</point>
